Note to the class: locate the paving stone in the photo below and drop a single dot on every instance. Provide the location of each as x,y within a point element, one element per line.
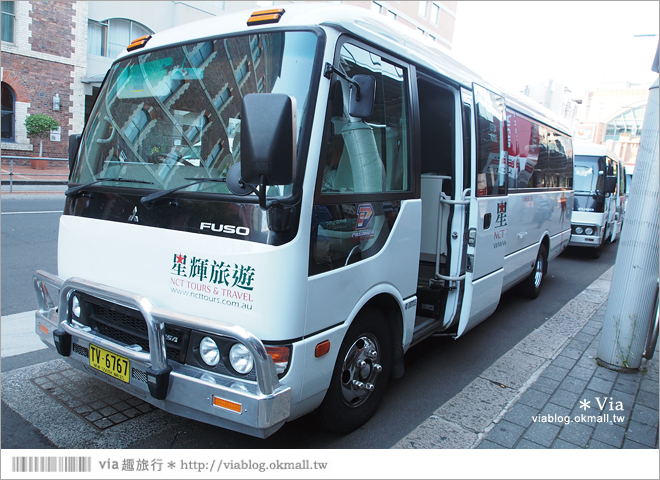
<point>649,385</point>
<point>565,398</point>
<point>576,433</point>
<point>534,398</point>
<point>645,415</point>
<point>609,434</point>
<point>561,444</point>
<point>506,434</point>
<point>556,414</point>
<point>564,362</point>
<point>573,384</point>
<point>117,418</point>
<point>103,423</point>
<point>546,384</point>
<point>606,374</point>
<point>627,384</point>
<point>555,373</point>
<point>600,385</point>
<point>643,434</point>
<point>581,372</point>
<point>526,444</point>
<point>628,444</point>
<point>595,444</point>
<point>93,416</point>
<point>521,414</point>
<point>107,411</point>
<point>571,353</point>
<point>488,445</point>
<point>647,399</point>
<point>542,433</point>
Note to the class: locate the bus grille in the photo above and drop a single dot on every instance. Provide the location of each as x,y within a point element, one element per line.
<point>129,327</point>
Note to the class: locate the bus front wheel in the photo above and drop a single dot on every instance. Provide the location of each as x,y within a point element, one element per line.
<point>360,375</point>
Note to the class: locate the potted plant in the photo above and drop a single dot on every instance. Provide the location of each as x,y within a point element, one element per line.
<point>39,126</point>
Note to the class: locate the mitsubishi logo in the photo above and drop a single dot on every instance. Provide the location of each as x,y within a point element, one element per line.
<point>134,216</point>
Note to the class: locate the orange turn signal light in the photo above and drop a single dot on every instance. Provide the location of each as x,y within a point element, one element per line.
<point>262,17</point>
<point>138,43</point>
<point>322,348</point>
<point>226,404</point>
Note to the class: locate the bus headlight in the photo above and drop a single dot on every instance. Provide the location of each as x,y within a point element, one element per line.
<point>75,306</point>
<point>209,351</point>
<point>579,230</point>
<point>589,231</point>
<point>241,359</point>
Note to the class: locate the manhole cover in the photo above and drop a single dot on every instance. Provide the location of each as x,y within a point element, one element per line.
<point>102,405</point>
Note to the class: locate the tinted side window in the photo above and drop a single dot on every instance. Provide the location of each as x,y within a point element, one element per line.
<point>529,146</point>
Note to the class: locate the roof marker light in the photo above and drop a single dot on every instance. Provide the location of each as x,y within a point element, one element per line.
<point>138,43</point>
<point>262,17</point>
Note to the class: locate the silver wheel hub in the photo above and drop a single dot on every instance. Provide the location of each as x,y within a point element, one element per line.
<point>538,274</point>
<point>359,371</point>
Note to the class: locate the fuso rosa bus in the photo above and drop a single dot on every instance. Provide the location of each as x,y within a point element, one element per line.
<point>266,210</point>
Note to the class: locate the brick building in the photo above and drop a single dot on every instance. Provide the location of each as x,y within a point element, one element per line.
<point>43,60</point>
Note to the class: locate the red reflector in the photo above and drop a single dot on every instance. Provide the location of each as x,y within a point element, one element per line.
<point>322,348</point>
<point>43,329</point>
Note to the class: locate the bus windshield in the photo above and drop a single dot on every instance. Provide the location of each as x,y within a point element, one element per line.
<point>169,117</point>
<point>587,178</point>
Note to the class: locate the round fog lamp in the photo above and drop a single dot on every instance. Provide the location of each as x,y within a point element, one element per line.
<point>589,231</point>
<point>75,307</point>
<point>241,359</point>
<point>209,351</point>
<point>579,230</point>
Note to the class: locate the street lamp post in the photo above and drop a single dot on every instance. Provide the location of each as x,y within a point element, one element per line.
<point>630,308</point>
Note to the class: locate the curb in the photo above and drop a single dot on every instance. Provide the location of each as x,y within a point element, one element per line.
<point>465,420</point>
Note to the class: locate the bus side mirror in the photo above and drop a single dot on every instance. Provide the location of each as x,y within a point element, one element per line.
<point>362,97</point>
<point>268,139</point>
<point>610,184</point>
<point>74,144</point>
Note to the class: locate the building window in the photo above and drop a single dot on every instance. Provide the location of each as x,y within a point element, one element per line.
<point>241,72</point>
<point>8,111</point>
<point>423,8</point>
<point>435,13</point>
<point>376,7</point>
<point>111,37</point>
<point>8,18</point>
<point>391,14</point>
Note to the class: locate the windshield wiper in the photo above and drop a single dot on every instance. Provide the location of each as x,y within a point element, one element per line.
<point>149,199</point>
<point>73,190</point>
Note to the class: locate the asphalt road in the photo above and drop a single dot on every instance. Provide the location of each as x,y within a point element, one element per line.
<point>436,369</point>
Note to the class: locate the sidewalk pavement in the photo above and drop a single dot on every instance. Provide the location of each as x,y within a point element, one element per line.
<point>548,392</point>
<point>27,179</point>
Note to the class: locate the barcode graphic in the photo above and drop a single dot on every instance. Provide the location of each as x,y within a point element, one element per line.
<point>51,464</point>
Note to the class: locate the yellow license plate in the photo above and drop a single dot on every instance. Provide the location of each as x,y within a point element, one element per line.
<point>110,363</point>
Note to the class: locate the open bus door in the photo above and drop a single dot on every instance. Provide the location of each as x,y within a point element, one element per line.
<point>487,230</point>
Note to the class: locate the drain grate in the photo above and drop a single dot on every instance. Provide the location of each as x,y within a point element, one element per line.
<point>102,405</point>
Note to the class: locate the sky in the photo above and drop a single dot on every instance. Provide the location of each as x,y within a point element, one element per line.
<point>580,44</point>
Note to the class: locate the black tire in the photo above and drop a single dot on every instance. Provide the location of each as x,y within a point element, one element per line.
<point>347,406</point>
<point>596,252</point>
<point>531,286</point>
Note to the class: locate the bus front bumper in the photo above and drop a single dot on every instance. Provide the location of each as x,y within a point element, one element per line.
<point>256,407</point>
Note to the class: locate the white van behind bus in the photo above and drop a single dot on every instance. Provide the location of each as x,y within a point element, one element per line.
<point>599,182</point>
